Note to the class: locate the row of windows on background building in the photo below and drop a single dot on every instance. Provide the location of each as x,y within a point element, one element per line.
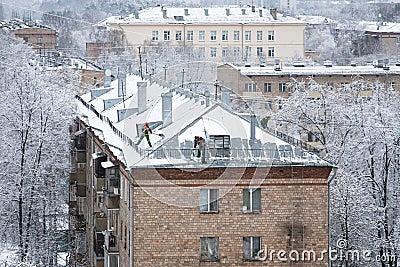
<point>251,200</point>
<point>282,87</point>
<point>213,35</point>
<point>252,87</point>
<point>209,248</point>
<point>226,52</point>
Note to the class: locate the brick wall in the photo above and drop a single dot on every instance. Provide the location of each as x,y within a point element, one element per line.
<point>294,215</point>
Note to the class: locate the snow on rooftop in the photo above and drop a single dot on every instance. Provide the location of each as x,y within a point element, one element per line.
<point>224,15</point>
<point>173,143</point>
<point>318,70</point>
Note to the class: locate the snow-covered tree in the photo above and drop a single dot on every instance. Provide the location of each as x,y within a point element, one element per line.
<point>35,113</point>
<point>360,135</point>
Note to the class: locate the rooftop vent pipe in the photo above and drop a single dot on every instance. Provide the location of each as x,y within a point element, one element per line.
<point>142,97</point>
<point>166,108</point>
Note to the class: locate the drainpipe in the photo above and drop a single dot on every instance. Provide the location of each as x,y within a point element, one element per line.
<point>130,218</point>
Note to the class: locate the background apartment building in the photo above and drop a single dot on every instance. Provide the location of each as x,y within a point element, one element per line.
<point>231,34</point>
<point>135,206</point>
<point>266,86</point>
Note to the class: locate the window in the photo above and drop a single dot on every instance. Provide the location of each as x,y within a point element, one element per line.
<point>189,36</point>
<point>209,200</point>
<point>267,87</point>
<point>282,87</point>
<point>202,52</point>
<point>251,247</point>
<point>39,39</point>
<point>236,35</point>
<point>201,35</point>
<point>271,52</point>
<point>209,248</point>
<point>154,36</point>
<point>259,51</point>
<point>398,40</point>
<point>224,51</point>
<point>236,52</point>
<point>224,35</point>
<point>392,85</point>
<point>26,39</point>
<point>213,51</point>
<point>247,52</point>
<point>271,35</point>
<point>259,35</point>
<point>251,200</point>
<point>213,35</point>
<point>247,35</point>
<point>113,260</point>
<point>219,145</point>
<point>250,87</point>
<point>166,36</point>
<point>178,35</point>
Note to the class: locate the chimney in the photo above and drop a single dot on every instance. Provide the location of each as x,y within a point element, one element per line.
<point>186,12</point>
<point>253,124</point>
<point>164,13</point>
<point>226,96</point>
<point>207,95</point>
<point>166,108</point>
<point>121,84</point>
<point>272,11</point>
<point>136,14</point>
<point>260,12</point>
<point>243,11</point>
<point>206,11</point>
<point>142,97</point>
<point>228,11</point>
<point>107,76</point>
<point>253,9</point>
<point>196,98</point>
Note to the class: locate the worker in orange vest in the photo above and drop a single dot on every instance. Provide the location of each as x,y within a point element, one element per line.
<point>146,131</point>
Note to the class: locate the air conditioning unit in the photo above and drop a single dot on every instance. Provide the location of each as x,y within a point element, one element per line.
<point>116,191</point>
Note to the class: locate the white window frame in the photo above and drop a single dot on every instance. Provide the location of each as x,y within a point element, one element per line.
<point>178,35</point>
<point>213,35</point>
<point>154,36</point>
<point>236,52</point>
<point>213,52</point>
<point>267,87</point>
<point>224,36</point>
<point>253,254</point>
<point>189,36</point>
<point>251,204</point>
<point>250,87</point>
<point>167,35</point>
<point>282,87</point>
<point>259,51</point>
<point>224,52</point>
<point>209,194</point>
<point>247,36</point>
<point>201,52</point>
<point>236,35</point>
<point>271,51</point>
<point>259,35</point>
<point>202,36</point>
<point>271,35</point>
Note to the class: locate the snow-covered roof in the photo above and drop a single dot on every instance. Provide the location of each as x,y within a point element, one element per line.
<point>315,20</point>
<point>80,63</point>
<point>380,27</point>
<point>317,70</point>
<point>211,15</point>
<point>173,143</point>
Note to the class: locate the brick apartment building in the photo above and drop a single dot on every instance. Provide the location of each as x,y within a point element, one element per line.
<point>264,85</point>
<point>132,205</point>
